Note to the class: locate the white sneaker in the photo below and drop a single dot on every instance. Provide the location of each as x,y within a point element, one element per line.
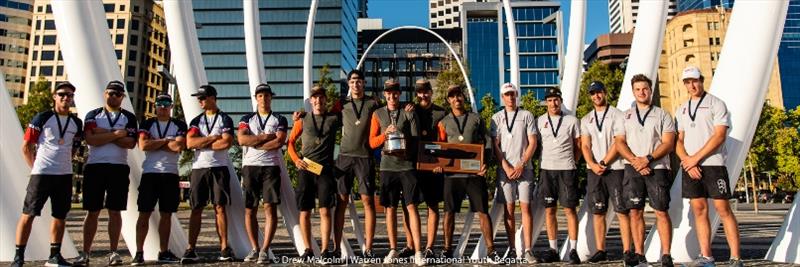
<point>391,257</point>
<point>419,259</point>
<point>114,259</point>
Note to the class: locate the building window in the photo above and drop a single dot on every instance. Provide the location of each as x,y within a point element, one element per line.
<point>122,8</point>
<point>131,71</point>
<point>433,5</point>
<point>119,39</point>
<point>120,23</point>
<point>48,55</point>
<point>48,40</point>
<point>49,24</point>
<point>132,55</point>
<point>60,70</point>
<point>110,24</point>
<point>39,9</point>
<point>135,25</point>
<point>46,71</point>
<point>38,24</point>
<point>109,8</point>
<point>134,40</point>
<point>688,43</point>
<point>33,71</point>
<point>119,53</point>
<point>135,9</point>
<point>49,9</point>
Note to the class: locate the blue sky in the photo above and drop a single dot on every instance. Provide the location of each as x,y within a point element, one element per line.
<point>409,12</point>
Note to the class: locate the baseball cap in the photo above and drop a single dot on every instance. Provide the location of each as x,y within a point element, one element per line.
<point>264,88</point>
<point>508,87</point>
<point>690,72</point>
<point>163,100</point>
<point>596,86</point>
<point>116,86</point>
<point>317,90</point>
<point>391,85</point>
<point>422,85</point>
<point>552,92</point>
<point>206,90</point>
<point>67,85</point>
<point>454,89</point>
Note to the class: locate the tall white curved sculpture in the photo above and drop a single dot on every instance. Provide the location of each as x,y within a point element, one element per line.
<point>449,47</point>
<point>746,62</point>
<point>308,55</point>
<point>190,74</point>
<point>91,63</point>
<point>785,247</point>
<point>573,61</point>
<point>645,47</point>
<point>257,75</point>
<point>513,46</point>
<point>14,175</point>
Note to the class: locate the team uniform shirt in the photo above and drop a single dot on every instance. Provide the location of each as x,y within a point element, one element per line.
<point>711,112</point>
<point>514,143</point>
<point>427,121</point>
<point>161,161</point>
<point>204,125</point>
<point>111,121</point>
<point>601,127</point>
<point>318,137</point>
<point>355,133</point>
<point>558,151</point>
<point>258,124</point>
<point>643,140</point>
<point>54,157</point>
<point>405,123</point>
<point>474,132</point>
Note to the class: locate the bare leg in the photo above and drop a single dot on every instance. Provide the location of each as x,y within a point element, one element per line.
<point>142,224</point>
<point>433,223</point>
<point>338,220</point>
<point>449,228</point>
<point>730,225</point>
<point>164,229</point>
<point>664,227</point>
<point>637,230</point>
<point>527,225</point>
<point>325,227</point>
<point>24,229</point>
<point>550,221</point>
<point>486,229</point>
<point>702,225</point>
<point>416,227</point>
<point>56,230</point>
<point>572,223</point>
<point>599,221</point>
<point>305,227</point>
<point>369,217</point>
<point>114,228</point>
<point>194,226</point>
<point>407,227</point>
<point>391,226</point>
<point>270,225</point>
<point>625,231</point>
<point>222,226</point>
<point>251,225</point>
<point>89,230</point>
<point>509,223</point>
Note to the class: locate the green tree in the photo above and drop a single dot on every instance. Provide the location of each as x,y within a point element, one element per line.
<point>39,99</point>
<point>489,107</point>
<point>776,146</point>
<point>610,77</point>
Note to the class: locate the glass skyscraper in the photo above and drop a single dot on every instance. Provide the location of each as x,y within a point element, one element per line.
<point>684,5</point>
<point>220,30</point>
<point>538,26</point>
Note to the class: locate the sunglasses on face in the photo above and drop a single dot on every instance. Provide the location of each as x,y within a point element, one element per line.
<point>202,98</point>
<point>115,94</point>
<point>65,94</point>
<point>164,104</point>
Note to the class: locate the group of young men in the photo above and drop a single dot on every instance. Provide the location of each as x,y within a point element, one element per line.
<point>627,156</point>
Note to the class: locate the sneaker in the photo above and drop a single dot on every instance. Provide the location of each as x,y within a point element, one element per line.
<point>642,260</point>
<point>307,256</point>
<point>327,257</point>
<point>549,256</point>
<point>428,253</point>
<point>18,261</point>
<point>168,257</point>
<point>226,254</point>
<point>406,252</point>
<point>494,258</point>
<point>55,261</point>
<point>190,257</point>
<point>529,257</point>
<point>447,253</point>
<point>114,259</point>
<point>735,263</point>
<point>138,259</point>
<point>419,259</point>
<point>666,260</point>
<point>629,258</point>
<point>81,260</point>
<point>369,254</point>
<point>573,257</point>
<point>512,254</point>
<point>391,257</point>
<point>252,256</point>
<point>263,258</point>
<point>599,256</point>
<point>703,261</point>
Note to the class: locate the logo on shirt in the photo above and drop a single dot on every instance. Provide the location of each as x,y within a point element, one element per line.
<point>628,116</point>
<point>546,124</point>
<point>684,111</point>
<point>591,120</point>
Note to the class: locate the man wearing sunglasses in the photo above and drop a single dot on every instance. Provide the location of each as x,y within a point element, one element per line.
<point>210,135</point>
<point>48,146</point>
<point>162,138</point>
<point>110,132</point>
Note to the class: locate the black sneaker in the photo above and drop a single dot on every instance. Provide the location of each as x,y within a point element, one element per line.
<point>190,257</point>
<point>512,254</point>
<point>429,253</point>
<point>328,257</point>
<point>599,256</point>
<point>494,258</point>
<point>629,258</point>
<point>406,252</point>
<point>369,254</point>
<point>573,257</point>
<point>138,259</point>
<point>549,256</point>
<point>447,253</point>
<point>168,257</point>
<point>226,254</point>
<point>642,260</point>
<point>666,260</point>
<point>18,261</point>
<point>307,257</point>
<point>56,261</point>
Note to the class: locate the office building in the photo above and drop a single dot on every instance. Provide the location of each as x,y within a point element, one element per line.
<point>622,14</point>
<point>610,49</point>
<point>695,38</point>
<point>138,32</point>
<point>15,28</point>
<point>686,5</point>
<point>220,29</point>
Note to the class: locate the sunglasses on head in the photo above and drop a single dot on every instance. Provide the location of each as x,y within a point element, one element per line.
<point>65,94</point>
<point>115,94</point>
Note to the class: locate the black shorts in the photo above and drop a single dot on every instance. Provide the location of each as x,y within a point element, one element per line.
<point>105,185</point>
<point>58,188</point>
<point>397,186</point>
<point>654,187</point>
<point>559,185</point>
<point>261,182</point>
<point>311,187</point>
<point>714,184</point>
<point>605,187</point>
<point>161,188</point>
<point>474,187</point>
<point>350,168</point>
<point>210,184</point>
<point>431,186</point>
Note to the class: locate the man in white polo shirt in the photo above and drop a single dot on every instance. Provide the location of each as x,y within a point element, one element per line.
<point>703,123</point>
<point>513,132</point>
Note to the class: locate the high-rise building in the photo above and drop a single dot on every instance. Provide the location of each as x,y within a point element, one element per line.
<point>138,31</point>
<point>611,49</point>
<point>539,32</point>
<point>15,28</point>
<point>220,29</point>
<point>694,38</point>
<point>686,5</point>
<point>622,14</point>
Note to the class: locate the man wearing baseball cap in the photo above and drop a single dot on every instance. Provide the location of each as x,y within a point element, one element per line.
<point>49,144</point>
<point>604,168</point>
<point>264,133</point>
<point>703,123</point>
<point>110,131</point>
<point>210,135</point>
<point>162,139</point>
<point>558,178</point>
<point>513,132</point>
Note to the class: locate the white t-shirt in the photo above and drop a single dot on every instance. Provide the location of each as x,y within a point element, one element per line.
<point>711,113</point>
<point>610,124</point>
<point>204,125</point>
<point>272,123</point>
<point>161,161</point>
<point>111,121</point>
<point>643,140</point>
<point>52,157</point>
<point>513,144</point>
<point>558,151</point>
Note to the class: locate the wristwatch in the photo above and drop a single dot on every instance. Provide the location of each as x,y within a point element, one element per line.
<point>602,163</point>
<point>650,158</point>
